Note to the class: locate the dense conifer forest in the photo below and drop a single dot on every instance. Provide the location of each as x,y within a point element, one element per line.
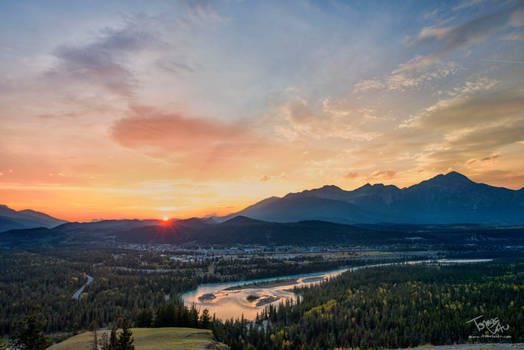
<point>391,307</point>
<point>381,307</point>
<point>125,282</point>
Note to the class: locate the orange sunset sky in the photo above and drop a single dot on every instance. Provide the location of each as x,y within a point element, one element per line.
<point>178,109</point>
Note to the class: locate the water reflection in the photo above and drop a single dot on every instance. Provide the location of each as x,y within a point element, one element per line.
<point>247,298</point>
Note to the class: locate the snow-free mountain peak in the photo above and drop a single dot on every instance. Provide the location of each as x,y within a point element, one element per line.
<point>11,219</point>
<point>444,199</point>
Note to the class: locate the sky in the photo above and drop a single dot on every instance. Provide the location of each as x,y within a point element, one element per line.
<point>152,109</point>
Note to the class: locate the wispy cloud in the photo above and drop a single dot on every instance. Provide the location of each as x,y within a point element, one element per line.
<point>414,73</point>
<point>203,10</point>
<point>298,118</point>
<point>381,175</point>
<point>486,161</point>
<point>474,104</point>
<point>104,61</point>
<point>423,68</point>
<point>351,175</point>
<point>514,36</point>
<point>174,136</point>
<point>205,148</point>
<point>448,39</point>
<point>467,4</point>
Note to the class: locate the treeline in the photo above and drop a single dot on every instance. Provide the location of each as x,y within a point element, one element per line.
<point>174,315</point>
<point>390,307</point>
<point>26,278</point>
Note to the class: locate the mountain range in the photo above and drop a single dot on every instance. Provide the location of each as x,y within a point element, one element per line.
<point>447,209</point>
<point>11,219</point>
<point>444,199</point>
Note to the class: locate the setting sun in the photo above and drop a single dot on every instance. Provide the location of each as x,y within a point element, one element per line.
<point>165,218</point>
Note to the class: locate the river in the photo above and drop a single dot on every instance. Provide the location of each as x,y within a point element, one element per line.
<point>81,289</point>
<point>247,298</point>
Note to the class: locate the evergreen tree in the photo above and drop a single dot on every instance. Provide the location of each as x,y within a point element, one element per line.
<point>193,317</point>
<point>125,340</point>
<point>28,334</point>
<point>113,338</point>
<point>95,339</point>
<point>144,318</point>
<point>205,319</point>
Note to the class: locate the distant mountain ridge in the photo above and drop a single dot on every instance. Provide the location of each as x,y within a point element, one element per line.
<point>243,230</point>
<point>11,219</point>
<point>444,199</point>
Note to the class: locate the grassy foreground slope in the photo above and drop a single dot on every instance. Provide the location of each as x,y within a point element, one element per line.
<point>172,338</point>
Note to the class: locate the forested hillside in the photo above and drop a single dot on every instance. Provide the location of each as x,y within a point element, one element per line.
<point>391,307</point>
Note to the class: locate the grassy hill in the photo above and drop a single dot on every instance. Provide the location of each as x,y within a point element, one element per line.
<point>172,338</point>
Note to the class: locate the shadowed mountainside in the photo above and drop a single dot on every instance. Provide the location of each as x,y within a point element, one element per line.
<point>244,230</point>
<point>11,219</point>
<point>444,199</point>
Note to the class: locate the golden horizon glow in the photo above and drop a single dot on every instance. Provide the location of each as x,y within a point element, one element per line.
<point>116,210</point>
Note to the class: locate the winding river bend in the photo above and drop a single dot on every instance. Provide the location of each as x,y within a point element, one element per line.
<point>81,289</point>
<point>247,298</point>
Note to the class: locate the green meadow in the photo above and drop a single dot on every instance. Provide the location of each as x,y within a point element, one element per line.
<point>169,338</point>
